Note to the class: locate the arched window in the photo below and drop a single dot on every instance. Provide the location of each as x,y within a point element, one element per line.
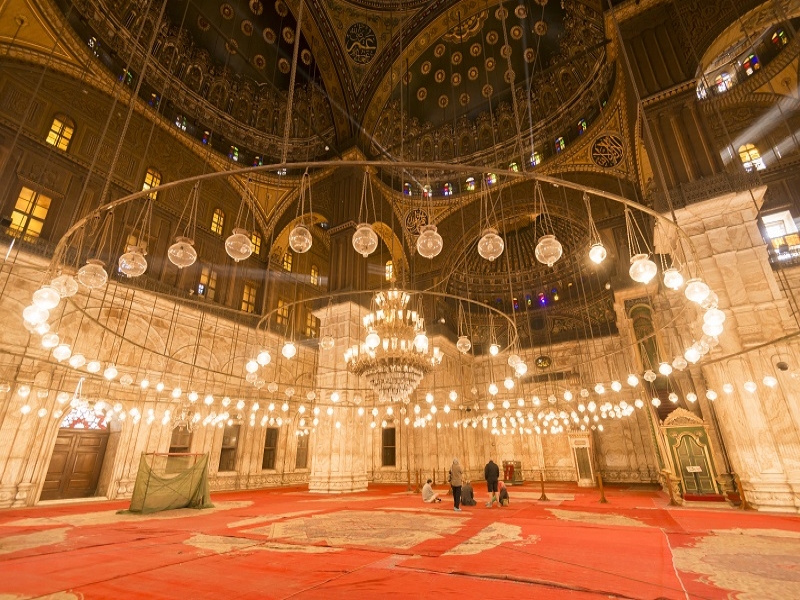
<point>447,189</point>
<point>536,158</point>
<point>314,278</point>
<point>581,126</point>
<point>751,64</point>
<point>151,179</point>
<point>723,82</point>
<point>560,144</point>
<point>407,189</point>
<point>751,158</point>
<point>470,184</point>
<point>255,238</point>
<point>389,272</point>
<point>779,38</point>
<point>491,178</point>
<point>61,132</point>
<point>287,261</point>
<point>514,167</point>
<point>217,221</point>
<point>30,211</point>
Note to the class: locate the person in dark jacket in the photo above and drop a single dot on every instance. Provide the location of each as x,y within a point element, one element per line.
<point>467,495</point>
<point>491,473</point>
<point>456,475</point>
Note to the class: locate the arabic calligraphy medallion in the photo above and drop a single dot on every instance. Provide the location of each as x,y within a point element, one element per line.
<point>361,43</point>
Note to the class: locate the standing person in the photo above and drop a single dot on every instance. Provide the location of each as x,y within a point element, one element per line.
<point>428,495</point>
<point>491,473</point>
<point>456,479</point>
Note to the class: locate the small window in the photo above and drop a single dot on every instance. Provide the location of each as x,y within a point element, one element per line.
<point>207,285</point>
<point>447,189</point>
<point>255,239</point>
<point>779,224</point>
<point>470,184</point>
<point>536,159</point>
<point>407,189</point>
<point>180,122</point>
<point>94,45</point>
<point>227,455</point>
<point>515,303</point>
<point>287,261</point>
<point>779,38</point>
<point>312,325</point>
<point>314,277</point>
<point>249,298</point>
<point>30,211</point>
<point>491,178</point>
<point>217,221</point>
<point>514,167</point>
<point>282,314</point>
<point>751,158</point>
<point>258,161</point>
<point>206,137</point>
<point>233,154</point>
<point>389,270</point>
<point>61,132</point>
<point>751,64</point>
<point>427,191</point>
<point>270,448</point>
<point>389,455</point>
<point>301,458</point>
<point>560,144</point>
<point>581,126</point>
<point>723,82</point>
<point>151,179</point>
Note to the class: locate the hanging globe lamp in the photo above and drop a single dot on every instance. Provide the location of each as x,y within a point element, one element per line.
<point>300,239</point>
<point>490,245</point>
<point>365,240</point>
<point>46,297</point>
<point>548,250</point>
<point>642,268</point>
<point>597,253</point>
<point>238,245</point>
<point>66,285</point>
<point>429,242</point>
<point>673,278</point>
<point>133,263</point>
<point>93,274</point>
<point>696,290</point>
<point>463,344</point>
<point>182,253</point>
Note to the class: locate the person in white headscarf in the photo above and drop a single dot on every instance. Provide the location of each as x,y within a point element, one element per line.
<point>456,479</point>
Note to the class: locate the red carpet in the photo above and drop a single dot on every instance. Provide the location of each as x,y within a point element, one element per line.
<point>387,543</point>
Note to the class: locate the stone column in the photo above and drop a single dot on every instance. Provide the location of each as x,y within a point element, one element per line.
<point>339,442</point>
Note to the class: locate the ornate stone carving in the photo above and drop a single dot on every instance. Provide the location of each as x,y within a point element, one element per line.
<point>680,417</point>
<point>608,151</point>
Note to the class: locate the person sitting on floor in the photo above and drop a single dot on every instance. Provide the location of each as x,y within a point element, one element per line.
<point>428,495</point>
<point>467,495</point>
<point>502,496</point>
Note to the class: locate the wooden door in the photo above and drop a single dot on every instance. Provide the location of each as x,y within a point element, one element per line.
<point>695,471</point>
<point>75,465</point>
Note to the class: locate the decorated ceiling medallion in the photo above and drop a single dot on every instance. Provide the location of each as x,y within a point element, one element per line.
<point>361,43</point>
<point>456,79</point>
<point>490,63</point>
<point>500,14</point>
<point>203,23</point>
<point>269,35</point>
<point>281,8</point>
<point>232,46</point>
<point>472,73</point>
<point>541,2</point>
<point>492,37</point>
<point>425,67</point>
<point>226,10</point>
<point>305,56</point>
<point>288,35</point>
<point>540,28</point>
<point>259,62</point>
<point>466,29</point>
<point>247,27</point>
<point>521,11</point>
<point>509,76</point>
<point>438,52</point>
<point>284,66</point>
<point>256,7</point>
<point>516,32</point>
<point>543,361</point>
<point>443,101</point>
<point>422,93</point>
<point>455,58</point>
<point>475,50</point>
<point>530,55</point>
<point>464,99</point>
<point>608,151</point>
<point>440,76</point>
<point>505,51</point>
<point>414,220</point>
<point>487,90</point>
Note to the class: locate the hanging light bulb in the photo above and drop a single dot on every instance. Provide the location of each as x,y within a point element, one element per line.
<point>93,274</point>
<point>493,389</point>
<point>429,242</point>
<point>597,253</point>
<point>463,344</point>
<point>94,366</point>
<point>365,240</point>
<point>712,329</point>
<point>238,245</point>
<point>50,340</point>
<point>665,368</point>
<point>548,250</point>
<point>251,366</point>
<point>750,386</point>
<point>35,315</point>
<point>711,301</point>
<point>692,354</point>
<point>182,253</point>
<point>327,342</point>
<point>513,360</point>
<point>373,340</point>
<point>649,376</point>
<point>714,316</point>
<point>770,381</point>
<point>696,290</point>
<point>656,402</point>
<point>679,363</point>
<point>421,342</point>
<point>494,349</point>
<point>62,352</point>
<point>520,368</point>
<point>673,278</point>
<point>711,395</point>
<point>300,239</point>
<point>66,285</point>
<point>642,268</point>
<point>76,361</point>
<point>491,245</point>
<point>633,380</point>
<point>110,372</point>
<point>132,263</point>
<point>289,350</point>
<point>673,397</point>
<point>263,358</point>
<point>508,383</point>
<point>46,297</point>
<point>727,388</point>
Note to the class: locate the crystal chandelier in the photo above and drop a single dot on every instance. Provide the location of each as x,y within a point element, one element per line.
<point>395,354</point>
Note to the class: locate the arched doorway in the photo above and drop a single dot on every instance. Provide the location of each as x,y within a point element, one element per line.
<point>80,447</point>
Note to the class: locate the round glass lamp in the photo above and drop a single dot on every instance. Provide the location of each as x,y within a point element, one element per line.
<point>46,297</point>
<point>597,253</point>
<point>182,253</point>
<point>93,274</point>
<point>679,363</point>
<point>642,268</point>
<point>692,354</point>
<point>132,263</point>
<point>326,342</point>
<point>712,329</point>
<point>673,278</point>
<point>289,350</point>
<point>50,340</point>
<point>300,239</point>
<point>696,290</point>
<point>35,315</point>
<point>548,250</point>
<point>714,316</point>
<point>463,344</point>
<point>238,245</point>
<point>490,245</point>
<point>66,285</point>
<point>429,242</point>
<point>372,340</point>
<point>62,352</point>
<point>365,240</point>
<point>263,358</point>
